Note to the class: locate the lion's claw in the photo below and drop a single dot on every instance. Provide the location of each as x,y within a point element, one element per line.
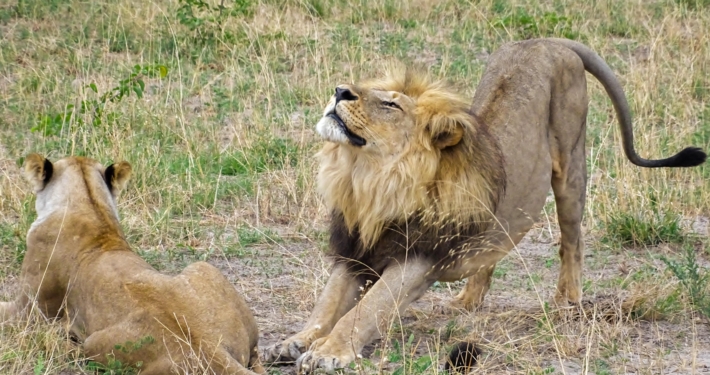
<point>308,363</point>
<point>284,352</point>
<point>312,362</point>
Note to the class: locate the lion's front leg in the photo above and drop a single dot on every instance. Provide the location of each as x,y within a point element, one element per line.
<point>399,285</point>
<point>340,295</point>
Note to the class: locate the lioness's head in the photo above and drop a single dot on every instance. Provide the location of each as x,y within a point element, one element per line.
<point>74,179</point>
<point>405,145</point>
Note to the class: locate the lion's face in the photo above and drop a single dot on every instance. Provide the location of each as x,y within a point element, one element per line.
<point>375,120</point>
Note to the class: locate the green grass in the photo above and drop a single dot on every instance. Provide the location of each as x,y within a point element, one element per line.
<point>643,229</point>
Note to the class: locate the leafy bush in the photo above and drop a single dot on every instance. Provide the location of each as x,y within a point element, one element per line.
<point>206,21</point>
<point>54,124</point>
<point>693,278</point>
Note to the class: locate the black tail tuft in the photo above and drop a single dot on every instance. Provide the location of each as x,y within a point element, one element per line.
<point>689,157</point>
<point>462,357</point>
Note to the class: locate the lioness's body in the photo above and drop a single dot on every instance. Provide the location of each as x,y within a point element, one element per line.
<point>425,188</point>
<point>79,265</point>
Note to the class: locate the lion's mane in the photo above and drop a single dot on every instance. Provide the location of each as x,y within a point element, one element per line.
<point>452,190</point>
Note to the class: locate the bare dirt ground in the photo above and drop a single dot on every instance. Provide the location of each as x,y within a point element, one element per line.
<point>516,315</point>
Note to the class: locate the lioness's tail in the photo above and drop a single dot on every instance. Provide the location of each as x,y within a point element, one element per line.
<point>688,157</point>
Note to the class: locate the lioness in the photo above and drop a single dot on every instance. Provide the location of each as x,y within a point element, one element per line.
<point>424,187</point>
<point>79,265</point>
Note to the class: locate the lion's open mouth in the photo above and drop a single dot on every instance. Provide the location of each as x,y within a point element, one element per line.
<point>352,137</point>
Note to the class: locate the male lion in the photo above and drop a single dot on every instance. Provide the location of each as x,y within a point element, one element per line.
<point>79,265</point>
<point>424,187</point>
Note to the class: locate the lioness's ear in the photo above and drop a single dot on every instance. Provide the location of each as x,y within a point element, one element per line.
<point>448,138</point>
<point>117,176</point>
<point>37,170</point>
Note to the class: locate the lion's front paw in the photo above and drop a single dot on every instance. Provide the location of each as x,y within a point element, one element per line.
<point>285,352</point>
<point>321,359</point>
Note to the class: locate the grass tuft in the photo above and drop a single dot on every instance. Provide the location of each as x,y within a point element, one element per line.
<point>643,229</point>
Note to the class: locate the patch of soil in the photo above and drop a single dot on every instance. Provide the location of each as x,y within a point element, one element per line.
<point>517,327</point>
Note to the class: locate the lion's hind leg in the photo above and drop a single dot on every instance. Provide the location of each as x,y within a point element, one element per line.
<point>568,114</point>
<point>482,264</point>
<point>472,295</point>
<point>569,186</point>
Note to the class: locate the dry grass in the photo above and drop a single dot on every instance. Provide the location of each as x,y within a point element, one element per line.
<point>222,154</point>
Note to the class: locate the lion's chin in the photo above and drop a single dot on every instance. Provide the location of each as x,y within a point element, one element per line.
<point>332,129</point>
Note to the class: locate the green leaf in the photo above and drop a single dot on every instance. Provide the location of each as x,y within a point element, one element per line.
<point>39,366</point>
<point>163,71</point>
<point>423,363</point>
<point>93,87</point>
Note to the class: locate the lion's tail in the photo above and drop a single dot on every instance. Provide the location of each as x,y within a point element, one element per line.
<point>462,358</point>
<point>688,157</point>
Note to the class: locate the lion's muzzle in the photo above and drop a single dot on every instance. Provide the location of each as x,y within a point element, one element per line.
<point>332,127</point>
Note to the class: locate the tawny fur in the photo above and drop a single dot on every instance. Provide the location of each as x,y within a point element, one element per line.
<point>405,158</point>
<point>78,266</point>
<point>423,179</point>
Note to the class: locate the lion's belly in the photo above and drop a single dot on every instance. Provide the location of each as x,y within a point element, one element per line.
<point>529,171</point>
<point>528,166</point>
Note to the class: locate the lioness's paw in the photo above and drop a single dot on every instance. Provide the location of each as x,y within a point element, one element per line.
<point>315,361</point>
<point>284,352</point>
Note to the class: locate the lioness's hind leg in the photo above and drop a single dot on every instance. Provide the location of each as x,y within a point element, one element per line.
<point>570,190</point>
<point>255,362</point>
<point>14,309</point>
<point>8,311</point>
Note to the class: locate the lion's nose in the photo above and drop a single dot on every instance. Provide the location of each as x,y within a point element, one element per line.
<point>344,94</point>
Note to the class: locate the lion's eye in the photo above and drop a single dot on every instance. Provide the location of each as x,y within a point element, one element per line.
<point>392,105</point>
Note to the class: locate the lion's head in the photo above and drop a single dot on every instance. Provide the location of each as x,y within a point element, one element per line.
<point>406,145</point>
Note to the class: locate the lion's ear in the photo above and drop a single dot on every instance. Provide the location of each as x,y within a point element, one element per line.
<point>37,170</point>
<point>446,130</point>
<point>445,115</point>
<point>117,176</point>
<point>448,138</point>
